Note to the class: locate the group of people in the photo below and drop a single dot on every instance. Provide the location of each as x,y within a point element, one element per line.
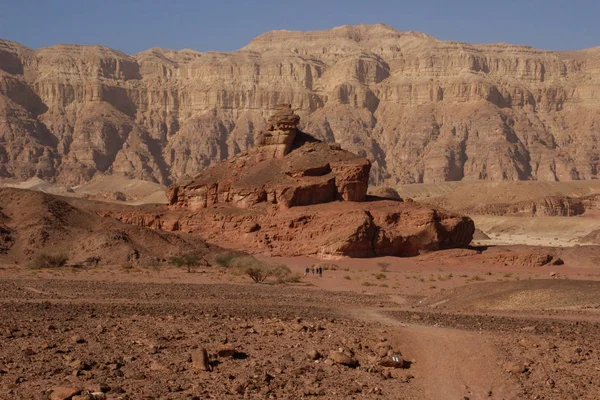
<point>318,271</point>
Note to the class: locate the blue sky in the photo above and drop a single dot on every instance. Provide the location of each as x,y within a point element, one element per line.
<point>225,25</point>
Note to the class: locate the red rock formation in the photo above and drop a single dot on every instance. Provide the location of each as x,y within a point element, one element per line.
<point>308,199</point>
<point>313,173</point>
<point>341,228</point>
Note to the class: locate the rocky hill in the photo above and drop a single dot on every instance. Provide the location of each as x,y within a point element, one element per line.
<point>292,195</point>
<point>34,224</point>
<point>421,109</point>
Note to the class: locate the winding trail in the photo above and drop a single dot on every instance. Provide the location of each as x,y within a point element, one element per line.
<point>449,363</point>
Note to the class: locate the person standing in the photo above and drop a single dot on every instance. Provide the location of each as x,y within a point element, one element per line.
<point>306,271</point>
<point>313,270</point>
<point>320,272</point>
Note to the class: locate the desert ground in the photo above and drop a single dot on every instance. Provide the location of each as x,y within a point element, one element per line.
<point>513,316</point>
<point>461,332</point>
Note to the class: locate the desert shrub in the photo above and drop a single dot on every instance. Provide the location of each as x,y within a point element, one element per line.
<point>188,260</point>
<point>329,266</point>
<point>49,261</point>
<point>291,278</point>
<point>225,260</point>
<point>367,284</point>
<point>383,285</point>
<point>476,278</point>
<point>260,271</point>
<point>347,277</point>
<point>380,276</point>
<point>384,266</point>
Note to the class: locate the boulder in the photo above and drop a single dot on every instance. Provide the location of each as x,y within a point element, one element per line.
<point>200,360</point>
<point>64,392</point>
<point>226,350</point>
<point>340,357</point>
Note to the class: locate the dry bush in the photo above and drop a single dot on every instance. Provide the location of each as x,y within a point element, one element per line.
<point>384,266</point>
<point>260,271</point>
<point>328,266</point>
<point>380,276</point>
<point>49,261</point>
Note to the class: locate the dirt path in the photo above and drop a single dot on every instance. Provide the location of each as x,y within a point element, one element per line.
<point>450,363</point>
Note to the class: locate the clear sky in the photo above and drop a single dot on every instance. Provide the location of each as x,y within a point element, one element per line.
<point>225,25</point>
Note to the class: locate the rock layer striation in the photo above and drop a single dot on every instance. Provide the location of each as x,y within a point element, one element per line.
<point>421,109</point>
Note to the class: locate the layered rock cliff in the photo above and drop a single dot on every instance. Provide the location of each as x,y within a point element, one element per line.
<point>422,110</point>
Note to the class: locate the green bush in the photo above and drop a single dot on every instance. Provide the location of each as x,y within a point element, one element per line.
<point>49,261</point>
<point>225,260</point>
<point>260,271</point>
<point>188,260</point>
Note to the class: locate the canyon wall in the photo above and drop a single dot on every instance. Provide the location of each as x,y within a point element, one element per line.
<point>421,109</point>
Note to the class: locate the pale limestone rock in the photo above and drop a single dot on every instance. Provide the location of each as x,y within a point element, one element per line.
<point>422,110</point>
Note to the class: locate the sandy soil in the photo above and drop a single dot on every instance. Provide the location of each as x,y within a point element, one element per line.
<point>464,331</point>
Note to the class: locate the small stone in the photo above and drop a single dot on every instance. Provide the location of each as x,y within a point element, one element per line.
<point>342,358</point>
<point>95,388</point>
<point>383,349</point>
<point>515,368</point>
<point>156,366</point>
<point>226,350</point>
<point>28,352</point>
<point>64,392</point>
<point>200,360</point>
<point>314,355</point>
<point>77,339</point>
<point>392,362</point>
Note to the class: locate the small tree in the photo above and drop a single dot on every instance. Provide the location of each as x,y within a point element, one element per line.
<point>260,271</point>
<point>384,266</point>
<point>188,260</point>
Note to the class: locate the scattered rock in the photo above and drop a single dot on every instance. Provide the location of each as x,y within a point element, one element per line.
<point>392,362</point>
<point>200,360</point>
<point>64,392</point>
<point>314,355</point>
<point>77,339</point>
<point>340,357</point>
<point>226,350</point>
<point>515,368</point>
<point>157,366</point>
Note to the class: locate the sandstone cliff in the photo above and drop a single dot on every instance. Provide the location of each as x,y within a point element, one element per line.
<point>422,110</point>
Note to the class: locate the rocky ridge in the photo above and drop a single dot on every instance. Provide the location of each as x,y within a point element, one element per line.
<point>421,109</point>
<point>34,224</point>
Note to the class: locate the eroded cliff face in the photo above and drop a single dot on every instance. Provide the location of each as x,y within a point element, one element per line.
<point>422,110</point>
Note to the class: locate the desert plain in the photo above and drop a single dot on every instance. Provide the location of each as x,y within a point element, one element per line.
<point>449,193</point>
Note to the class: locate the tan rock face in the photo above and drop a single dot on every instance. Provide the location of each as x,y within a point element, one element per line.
<point>422,110</point>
